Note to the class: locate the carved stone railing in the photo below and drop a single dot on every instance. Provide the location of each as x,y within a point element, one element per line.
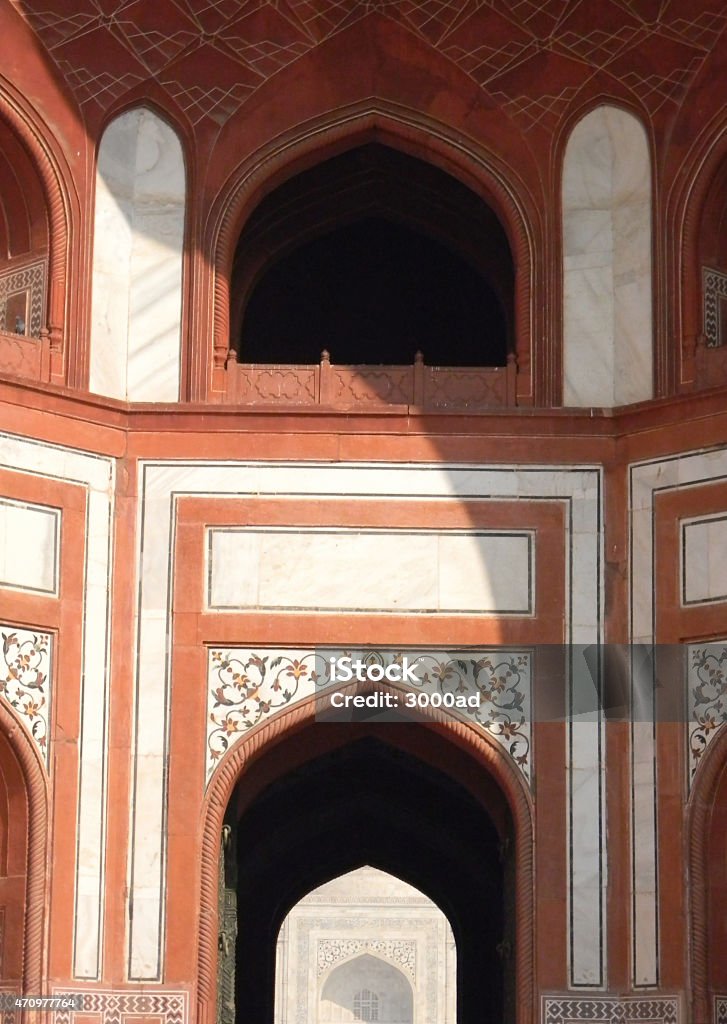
<point>432,388</point>
<point>21,356</point>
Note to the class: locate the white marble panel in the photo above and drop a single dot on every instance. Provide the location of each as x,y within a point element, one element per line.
<point>607,318</point>
<point>704,559</point>
<point>364,569</point>
<point>29,545</point>
<point>137,267</point>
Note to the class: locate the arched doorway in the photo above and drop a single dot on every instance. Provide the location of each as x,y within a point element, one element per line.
<point>402,799</point>
<point>23,844</point>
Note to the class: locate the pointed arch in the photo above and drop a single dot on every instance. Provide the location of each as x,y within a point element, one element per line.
<point>474,742</point>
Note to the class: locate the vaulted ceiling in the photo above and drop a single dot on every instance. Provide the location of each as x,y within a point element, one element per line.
<point>528,56</point>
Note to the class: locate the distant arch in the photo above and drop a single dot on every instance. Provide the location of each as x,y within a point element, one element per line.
<point>366,988</point>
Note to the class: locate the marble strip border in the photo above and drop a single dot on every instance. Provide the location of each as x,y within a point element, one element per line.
<point>96,474</point>
<point>163,483</point>
<point>647,480</point>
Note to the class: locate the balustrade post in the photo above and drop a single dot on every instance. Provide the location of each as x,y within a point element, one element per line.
<point>418,398</point>
<point>231,377</point>
<point>511,379</point>
<point>324,390</point>
<point>45,355</point>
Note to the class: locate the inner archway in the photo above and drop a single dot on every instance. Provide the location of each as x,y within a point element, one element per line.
<point>372,801</point>
<point>365,946</point>
<point>374,256</point>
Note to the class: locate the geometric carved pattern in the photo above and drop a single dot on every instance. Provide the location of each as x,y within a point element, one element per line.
<point>605,1010</point>
<point>714,284</point>
<point>706,697</point>
<point>212,55</point>
<point>25,680</point>
<point>118,1007</point>
<point>720,1009</point>
<point>245,687</point>
<point>29,278</point>
<point>402,952</point>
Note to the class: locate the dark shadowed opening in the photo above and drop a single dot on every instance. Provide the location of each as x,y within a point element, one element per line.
<point>373,255</point>
<point>371,803</point>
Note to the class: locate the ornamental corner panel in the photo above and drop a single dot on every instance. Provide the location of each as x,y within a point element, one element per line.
<point>25,681</point>
<point>492,689</point>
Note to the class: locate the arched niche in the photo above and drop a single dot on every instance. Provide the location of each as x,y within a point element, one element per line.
<point>607,276</point>
<point>24,243</point>
<point>705,256</point>
<point>137,260</point>
<point>373,255</point>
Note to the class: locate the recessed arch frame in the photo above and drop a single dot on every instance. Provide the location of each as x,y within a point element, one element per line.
<point>415,135</point>
<point>36,787</point>
<point>472,740</point>
<point>47,163</point>
<point>699,807</point>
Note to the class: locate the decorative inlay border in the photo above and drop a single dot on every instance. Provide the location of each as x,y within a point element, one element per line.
<point>25,681</point>
<point>402,952</point>
<point>706,698</point>
<point>720,1009</point>
<point>607,1009</point>
<point>118,1007</point>
<point>246,686</point>
<point>714,288</point>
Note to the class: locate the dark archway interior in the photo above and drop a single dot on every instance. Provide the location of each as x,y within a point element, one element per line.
<point>373,255</point>
<point>371,803</point>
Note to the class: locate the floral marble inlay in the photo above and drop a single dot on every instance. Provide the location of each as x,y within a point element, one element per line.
<point>706,697</point>
<point>400,951</point>
<point>25,682</point>
<point>246,687</point>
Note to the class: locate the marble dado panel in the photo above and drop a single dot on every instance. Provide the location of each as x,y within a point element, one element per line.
<point>159,1007</point>
<point>245,687</point>
<point>29,546</point>
<point>611,1009</point>
<point>647,482</point>
<point>706,698</point>
<point>96,476</point>
<point>26,674</point>
<point>164,485</point>
<point>704,559</point>
<point>349,570</point>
